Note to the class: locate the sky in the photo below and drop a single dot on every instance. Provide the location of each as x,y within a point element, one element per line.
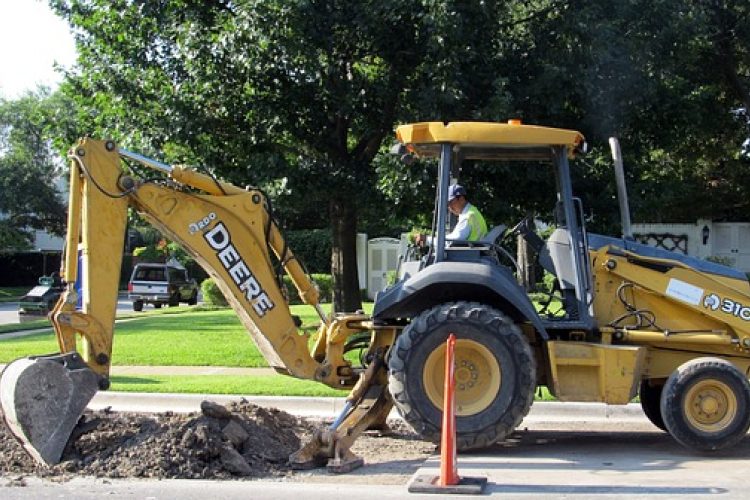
<point>32,39</point>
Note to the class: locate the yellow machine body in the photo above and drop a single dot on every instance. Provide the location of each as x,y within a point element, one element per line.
<point>633,322</point>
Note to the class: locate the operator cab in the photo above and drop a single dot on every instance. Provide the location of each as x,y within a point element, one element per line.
<point>485,271</point>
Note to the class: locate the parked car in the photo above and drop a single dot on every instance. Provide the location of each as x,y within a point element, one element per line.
<point>160,284</point>
<point>41,299</point>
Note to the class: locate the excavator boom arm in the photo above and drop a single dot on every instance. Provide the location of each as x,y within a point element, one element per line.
<point>231,234</point>
<point>226,229</point>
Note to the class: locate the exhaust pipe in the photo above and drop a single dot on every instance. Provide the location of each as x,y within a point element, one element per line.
<point>622,191</point>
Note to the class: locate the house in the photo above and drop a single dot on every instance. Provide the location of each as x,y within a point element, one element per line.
<point>724,242</point>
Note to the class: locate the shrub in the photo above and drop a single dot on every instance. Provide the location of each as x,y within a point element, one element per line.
<point>723,260</point>
<point>325,287</point>
<point>23,269</point>
<point>212,294</point>
<point>312,247</point>
<point>152,253</point>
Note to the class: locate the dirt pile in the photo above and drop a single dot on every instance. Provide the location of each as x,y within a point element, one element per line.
<point>240,440</point>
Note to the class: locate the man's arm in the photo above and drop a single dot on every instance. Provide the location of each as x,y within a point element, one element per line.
<point>462,231</point>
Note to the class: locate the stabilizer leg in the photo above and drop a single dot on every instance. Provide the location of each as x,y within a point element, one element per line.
<point>367,407</point>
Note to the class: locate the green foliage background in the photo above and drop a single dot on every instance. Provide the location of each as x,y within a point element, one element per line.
<point>301,98</point>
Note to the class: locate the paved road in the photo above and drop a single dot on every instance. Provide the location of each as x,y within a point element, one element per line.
<point>8,313</point>
<point>9,310</point>
<point>560,451</point>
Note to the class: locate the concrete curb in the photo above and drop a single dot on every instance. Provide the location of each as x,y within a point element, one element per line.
<point>328,407</point>
<point>185,403</point>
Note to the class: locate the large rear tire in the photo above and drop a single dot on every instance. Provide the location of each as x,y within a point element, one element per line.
<point>706,404</point>
<point>495,373</point>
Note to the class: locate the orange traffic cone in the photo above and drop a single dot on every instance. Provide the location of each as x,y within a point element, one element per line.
<point>448,458</point>
<point>449,481</point>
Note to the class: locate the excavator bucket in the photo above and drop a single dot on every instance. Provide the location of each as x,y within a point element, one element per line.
<point>43,398</point>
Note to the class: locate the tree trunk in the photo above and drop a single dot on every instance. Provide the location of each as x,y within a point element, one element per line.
<point>525,256</point>
<point>346,287</point>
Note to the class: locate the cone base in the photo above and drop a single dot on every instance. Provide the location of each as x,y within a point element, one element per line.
<point>431,484</point>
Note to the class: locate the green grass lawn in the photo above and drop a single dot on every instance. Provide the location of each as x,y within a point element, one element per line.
<point>196,337</point>
<point>186,336</point>
<point>182,337</point>
<point>13,293</point>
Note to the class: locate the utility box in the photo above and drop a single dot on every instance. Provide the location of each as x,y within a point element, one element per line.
<point>382,258</point>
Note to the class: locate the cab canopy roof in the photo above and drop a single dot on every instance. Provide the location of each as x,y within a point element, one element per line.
<point>489,141</point>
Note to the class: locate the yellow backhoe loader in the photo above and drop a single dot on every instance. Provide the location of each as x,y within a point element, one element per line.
<point>631,318</point>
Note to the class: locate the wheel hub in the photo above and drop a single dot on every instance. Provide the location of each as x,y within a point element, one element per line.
<point>711,406</point>
<point>708,405</point>
<point>467,375</point>
<point>477,374</point>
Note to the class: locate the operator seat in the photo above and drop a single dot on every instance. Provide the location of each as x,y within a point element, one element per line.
<point>493,234</point>
<point>556,257</point>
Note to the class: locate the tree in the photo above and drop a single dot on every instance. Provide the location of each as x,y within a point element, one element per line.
<point>30,168</point>
<point>652,73</point>
<point>304,91</point>
<point>299,96</point>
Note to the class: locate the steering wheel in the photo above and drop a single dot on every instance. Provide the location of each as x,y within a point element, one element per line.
<point>518,228</point>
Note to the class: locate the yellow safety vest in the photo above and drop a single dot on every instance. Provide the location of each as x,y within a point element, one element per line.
<point>477,222</point>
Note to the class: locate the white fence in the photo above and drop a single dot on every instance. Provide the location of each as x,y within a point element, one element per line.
<point>728,241</point>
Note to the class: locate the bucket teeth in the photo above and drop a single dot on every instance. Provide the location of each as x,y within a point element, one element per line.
<point>42,400</point>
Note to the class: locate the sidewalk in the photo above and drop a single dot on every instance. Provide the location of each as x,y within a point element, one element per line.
<point>301,405</point>
<point>189,370</point>
<point>185,403</point>
<point>541,411</point>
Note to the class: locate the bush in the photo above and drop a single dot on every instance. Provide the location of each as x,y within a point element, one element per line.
<point>325,286</point>
<point>212,294</point>
<point>724,261</point>
<point>157,252</point>
<point>24,268</point>
<point>312,247</point>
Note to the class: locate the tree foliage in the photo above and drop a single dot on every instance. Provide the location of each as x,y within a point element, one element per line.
<point>300,96</point>
<point>669,79</point>
<point>30,168</point>
<point>304,91</point>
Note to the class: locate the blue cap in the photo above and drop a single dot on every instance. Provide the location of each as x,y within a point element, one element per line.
<point>456,190</point>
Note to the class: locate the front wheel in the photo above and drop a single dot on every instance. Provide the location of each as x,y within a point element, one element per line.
<point>495,373</point>
<point>706,404</point>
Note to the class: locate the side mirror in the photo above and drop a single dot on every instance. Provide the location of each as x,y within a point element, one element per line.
<point>399,149</point>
